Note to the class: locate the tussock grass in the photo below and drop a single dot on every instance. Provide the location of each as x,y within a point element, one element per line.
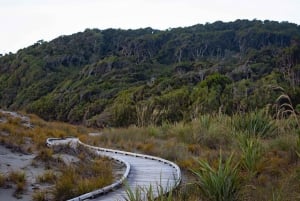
<point>45,154</point>
<point>48,177</point>
<point>19,179</point>
<point>40,196</point>
<point>22,139</point>
<point>266,153</point>
<point>82,178</point>
<point>2,180</point>
<point>265,146</point>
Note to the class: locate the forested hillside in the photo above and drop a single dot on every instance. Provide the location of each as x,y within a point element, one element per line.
<point>119,77</point>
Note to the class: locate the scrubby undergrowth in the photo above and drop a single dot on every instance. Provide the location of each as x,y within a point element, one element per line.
<point>258,150</point>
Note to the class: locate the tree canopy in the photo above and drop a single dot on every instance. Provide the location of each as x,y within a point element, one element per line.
<point>117,77</point>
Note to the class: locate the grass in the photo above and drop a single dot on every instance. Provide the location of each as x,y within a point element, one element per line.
<point>45,154</point>
<point>48,177</point>
<point>251,151</point>
<point>82,177</point>
<point>23,139</point>
<point>265,147</point>
<point>2,180</point>
<point>148,193</point>
<point>40,196</point>
<point>19,179</point>
<point>255,124</point>
<point>221,183</point>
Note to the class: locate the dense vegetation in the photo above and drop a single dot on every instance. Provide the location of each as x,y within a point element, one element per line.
<point>240,157</point>
<point>144,77</point>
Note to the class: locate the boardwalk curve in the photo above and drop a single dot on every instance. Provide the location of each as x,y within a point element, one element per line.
<point>142,171</point>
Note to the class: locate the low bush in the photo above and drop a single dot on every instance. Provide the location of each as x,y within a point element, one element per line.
<point>257,124</point>
<point>251,151</point>
<point>221,183</point>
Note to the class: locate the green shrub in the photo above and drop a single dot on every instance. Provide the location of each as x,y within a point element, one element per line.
<point>148,193</point>
<point>254,124</point>
<point>251,153</point>
<point>221,183</point>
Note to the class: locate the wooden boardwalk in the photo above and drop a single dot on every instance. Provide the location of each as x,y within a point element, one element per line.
<point>142,171</point>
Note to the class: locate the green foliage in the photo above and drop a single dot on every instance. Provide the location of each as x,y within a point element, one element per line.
<point>254,124</point>
<point>121,77</point>
<point>215,81</point>
<point>123,109</point>
<point>148,193</point>
<point>251,153</point>
<point>221,183</point>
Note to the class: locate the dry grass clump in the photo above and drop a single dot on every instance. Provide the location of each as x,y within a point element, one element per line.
<point>45,154</point>
<point>47,177</point>
<point>40,196</point>
<point>19,179</point>
<point>82,178</point>
<point>2,180</point>
<point>30,139</point>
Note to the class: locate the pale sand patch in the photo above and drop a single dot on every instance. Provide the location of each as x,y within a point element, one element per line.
<point>12,161</point>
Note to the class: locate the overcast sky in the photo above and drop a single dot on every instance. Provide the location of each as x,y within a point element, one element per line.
<point>23,22</point>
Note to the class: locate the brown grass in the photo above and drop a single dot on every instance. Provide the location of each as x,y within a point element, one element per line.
<point>40,196</point>
<point>277,172</point>
<point>82,178</point>
<point>2,180</point>
<point>203,137</point>
<point>48,177</point>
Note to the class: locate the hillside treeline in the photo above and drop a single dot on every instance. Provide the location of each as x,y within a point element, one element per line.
<point>117,77</point>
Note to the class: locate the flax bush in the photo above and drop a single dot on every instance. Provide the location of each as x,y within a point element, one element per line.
<point>257,124</point>
<point>221,183</point>
<point>251,153</point>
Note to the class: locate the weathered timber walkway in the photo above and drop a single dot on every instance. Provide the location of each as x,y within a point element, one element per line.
<point>142,171</point>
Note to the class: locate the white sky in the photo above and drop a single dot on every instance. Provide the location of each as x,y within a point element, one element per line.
<point>23,22</point>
